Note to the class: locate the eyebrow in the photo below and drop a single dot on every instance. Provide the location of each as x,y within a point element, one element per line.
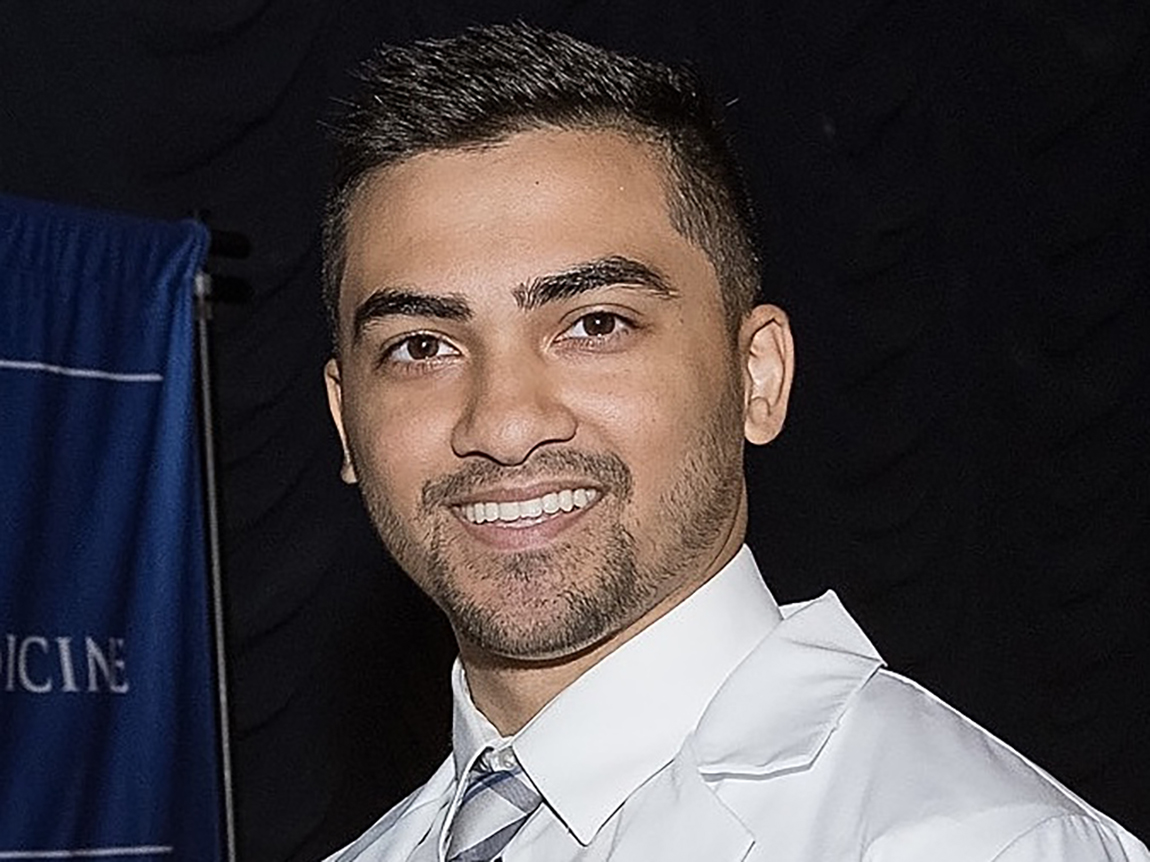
<point>612,271</point>
<point>604,272</point>
<point>397,302</point>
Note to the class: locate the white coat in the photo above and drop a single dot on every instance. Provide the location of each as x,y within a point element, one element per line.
<point>809,751</point>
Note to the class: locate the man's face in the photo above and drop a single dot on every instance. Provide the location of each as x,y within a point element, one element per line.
<point>537,389</point>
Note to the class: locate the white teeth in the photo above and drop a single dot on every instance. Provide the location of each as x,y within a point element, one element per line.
<point>549,504</point>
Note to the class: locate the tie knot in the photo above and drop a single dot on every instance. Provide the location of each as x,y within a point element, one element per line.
<point>503,760</point>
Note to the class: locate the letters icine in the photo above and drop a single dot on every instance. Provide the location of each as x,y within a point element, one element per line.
<point>43,664</point>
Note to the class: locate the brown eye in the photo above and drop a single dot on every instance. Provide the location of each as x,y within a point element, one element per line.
<point>600,330</point>
<point>599,324</point>
<point>422,346</point>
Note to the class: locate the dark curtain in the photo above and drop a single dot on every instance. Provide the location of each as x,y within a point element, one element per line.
<point>955,212</point>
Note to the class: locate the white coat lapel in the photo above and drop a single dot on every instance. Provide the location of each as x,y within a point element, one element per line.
<point>777,709</point>
<point>676,817</point>
<point>405,825</point>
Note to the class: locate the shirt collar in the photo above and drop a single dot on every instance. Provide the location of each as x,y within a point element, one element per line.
<point>633,709</point>
<point>471,732</point>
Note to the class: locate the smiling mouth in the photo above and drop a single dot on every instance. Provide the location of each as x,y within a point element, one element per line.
<point>530,511</point>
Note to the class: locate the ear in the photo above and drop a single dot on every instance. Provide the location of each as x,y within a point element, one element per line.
<point>767,352</point>
<point>331,377</point>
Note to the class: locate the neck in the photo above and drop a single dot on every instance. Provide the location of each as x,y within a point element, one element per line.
<point>509,692</point>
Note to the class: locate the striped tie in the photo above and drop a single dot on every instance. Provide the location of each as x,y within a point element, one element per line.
<point>494,805</point>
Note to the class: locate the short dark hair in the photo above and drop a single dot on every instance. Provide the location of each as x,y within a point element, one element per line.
<point>493,81</point>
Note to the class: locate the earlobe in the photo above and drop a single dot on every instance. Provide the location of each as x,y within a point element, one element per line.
<point>331,377</point>
<point>768,367</point>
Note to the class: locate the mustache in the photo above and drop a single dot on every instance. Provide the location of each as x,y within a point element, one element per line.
<point>607,470</point>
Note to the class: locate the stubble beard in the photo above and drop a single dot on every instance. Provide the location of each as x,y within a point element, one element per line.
<point>545,604</point>
<point>549,603</point>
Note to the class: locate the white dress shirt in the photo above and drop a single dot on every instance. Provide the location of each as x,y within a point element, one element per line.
<point>731,729</point>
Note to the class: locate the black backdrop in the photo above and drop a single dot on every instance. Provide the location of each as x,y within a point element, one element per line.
<point>956,208</point>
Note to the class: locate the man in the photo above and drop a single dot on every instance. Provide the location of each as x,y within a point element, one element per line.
<point>548,355</point>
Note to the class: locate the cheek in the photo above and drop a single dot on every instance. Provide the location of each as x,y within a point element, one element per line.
<point>399,444</point>
<point>651,412</point>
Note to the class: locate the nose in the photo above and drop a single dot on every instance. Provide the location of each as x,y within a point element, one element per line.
<point>513,408</point>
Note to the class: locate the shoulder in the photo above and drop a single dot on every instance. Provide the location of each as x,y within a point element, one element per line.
<point>931,783</point>
<point>918,737</point>
<point>825,755</point>
<point>1073,837</point>
<point>950,782</point>
<point>397,832</point>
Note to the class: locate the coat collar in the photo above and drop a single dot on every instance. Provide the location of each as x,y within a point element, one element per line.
<point>779,707</point>
<point>774,713</point>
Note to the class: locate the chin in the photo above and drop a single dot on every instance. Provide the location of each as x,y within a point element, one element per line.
<point>554,631</point>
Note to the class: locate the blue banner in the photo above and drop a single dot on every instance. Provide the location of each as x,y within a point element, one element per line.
<point>107,717</point>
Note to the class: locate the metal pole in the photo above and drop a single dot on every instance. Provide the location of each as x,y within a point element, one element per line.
<point>203,291</point>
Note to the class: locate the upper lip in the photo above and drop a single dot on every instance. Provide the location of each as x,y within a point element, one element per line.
<point>512,494</point>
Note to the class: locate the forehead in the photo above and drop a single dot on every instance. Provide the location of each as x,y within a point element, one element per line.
<point>501,215</point>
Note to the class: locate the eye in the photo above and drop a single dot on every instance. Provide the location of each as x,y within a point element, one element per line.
<point>596,325</point>
<point>421,347</point>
